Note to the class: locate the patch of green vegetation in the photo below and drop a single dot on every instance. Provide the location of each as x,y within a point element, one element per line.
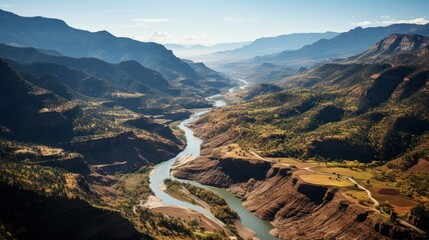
<point>162,225</point>
<point>179,133</point>
<point>328,122</point>
<point>415,185</point>
<point>135,186</point>
<point>46,181</point>
<point>218,206</point>
<point>175,189</point>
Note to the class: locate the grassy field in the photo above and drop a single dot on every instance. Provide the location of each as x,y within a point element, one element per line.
<point>178,191</point>
<point>358,196</point>
<point>135,186</point>
<point>333,181</point>
<point>235,151</point>
<point>355,173</point>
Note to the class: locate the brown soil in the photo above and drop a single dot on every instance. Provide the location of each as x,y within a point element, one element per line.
<point>388,191</point>
<point>421,166</point>
<point>187,214</point>
<point>244,232</point>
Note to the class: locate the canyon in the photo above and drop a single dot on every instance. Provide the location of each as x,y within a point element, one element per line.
<point>324,137</point>
<point>297,209</point>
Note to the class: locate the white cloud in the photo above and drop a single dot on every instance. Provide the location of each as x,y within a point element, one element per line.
<point>363,23</point>
<point>158,34</point>
<point>5,5</point>
<point>151,20</point>
<point>413,21</point>
<point>385,17</point>
<point>234,20</point>
<point>420,21</point>
<point>165,37</point>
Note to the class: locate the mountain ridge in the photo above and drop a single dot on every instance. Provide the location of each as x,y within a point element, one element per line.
<point>55,34</point>
<point>132,72</point>
<point>393,45</point>
<point>270,45</point>
<point>345,44</point>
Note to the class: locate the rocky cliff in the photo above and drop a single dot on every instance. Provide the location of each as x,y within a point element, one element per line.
<point>125,152</point>
<point>298,210</point>
<point>223,172</point>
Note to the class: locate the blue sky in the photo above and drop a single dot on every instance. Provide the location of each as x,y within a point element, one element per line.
<point>213,21</point>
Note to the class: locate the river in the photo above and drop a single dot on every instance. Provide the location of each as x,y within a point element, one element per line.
<point>162,171</point>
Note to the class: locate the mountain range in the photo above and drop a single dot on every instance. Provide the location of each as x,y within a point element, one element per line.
<point>127,75</point>
<point>405,48</point>
<point>343,45</point>
<point>54,34</point>
<point>190,51</point>
<point>272,45</point>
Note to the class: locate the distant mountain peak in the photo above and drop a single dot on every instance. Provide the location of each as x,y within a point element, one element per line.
<point>401,42</point>
<point>393,45</point>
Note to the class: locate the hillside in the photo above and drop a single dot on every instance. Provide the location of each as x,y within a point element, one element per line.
<point>30,112</point>
<point>396,45</point>
<point>31,221</point>
<point>128,75</point>
<point>77,156</point>
<point>352,108</point>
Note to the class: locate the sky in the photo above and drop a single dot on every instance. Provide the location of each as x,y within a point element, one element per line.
<point>217,21</point>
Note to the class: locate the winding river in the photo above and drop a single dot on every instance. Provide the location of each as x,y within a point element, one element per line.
<point>162,171</point>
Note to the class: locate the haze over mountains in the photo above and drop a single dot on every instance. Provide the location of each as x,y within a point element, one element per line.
<point>271,45</point>
<point>342,46</point>
<point>191,51</point>
<point>54,34</point>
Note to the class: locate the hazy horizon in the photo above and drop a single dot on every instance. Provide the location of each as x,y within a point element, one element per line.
<point>190,22</point>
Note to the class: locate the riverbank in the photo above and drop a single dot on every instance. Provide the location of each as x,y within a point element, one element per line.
<point>209,200</point>
<point>155,204</point>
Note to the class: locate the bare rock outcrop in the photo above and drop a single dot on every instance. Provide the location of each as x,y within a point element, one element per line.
<point>223,172</point>
<point>297,209</point>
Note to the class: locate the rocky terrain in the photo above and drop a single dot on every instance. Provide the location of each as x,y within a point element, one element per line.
<point>298,210</point>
